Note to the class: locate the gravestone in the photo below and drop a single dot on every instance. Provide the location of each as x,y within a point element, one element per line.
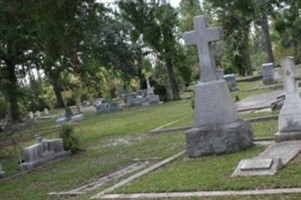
<point>231,81</point>
<point>68,113</point>
<point>268,73</point>
<point>1,171</point>
<point>137,101</point>
<point>217,127</point>
<point>42,153</point>
<point>289,121</point>
<point>128,98</point>
<point>151,97</point>
<point>38,114</point>
<point>149,90</point>
<point>46,111</point>
<point>100,108</point>
<point>114,107</point>
<point>31,115</point>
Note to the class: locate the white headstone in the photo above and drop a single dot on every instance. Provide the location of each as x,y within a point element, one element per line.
<point>38,114</point>
<point>46,111</point>
<point>30,114</point>
<point>289,121</point>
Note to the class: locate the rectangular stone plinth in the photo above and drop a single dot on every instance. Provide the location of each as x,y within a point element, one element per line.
<point>219,139</point>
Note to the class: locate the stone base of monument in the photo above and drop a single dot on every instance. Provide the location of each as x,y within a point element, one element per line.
<point>221,139</point>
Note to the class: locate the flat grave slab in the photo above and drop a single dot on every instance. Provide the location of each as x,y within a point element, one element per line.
<point>256,164</point>
<point>257,102</point>
<point>270,161</point>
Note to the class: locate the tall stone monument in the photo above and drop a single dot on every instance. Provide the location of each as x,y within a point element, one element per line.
<point>289,121</point>
<point>217,128</point>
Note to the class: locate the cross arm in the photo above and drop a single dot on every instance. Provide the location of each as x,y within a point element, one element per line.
<point>189,38</point>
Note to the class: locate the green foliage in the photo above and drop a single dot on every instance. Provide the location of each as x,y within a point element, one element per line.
<point>71,139</point>
<point>37,96</point>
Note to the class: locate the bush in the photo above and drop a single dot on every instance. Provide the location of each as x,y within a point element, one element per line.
<point>71,140</point>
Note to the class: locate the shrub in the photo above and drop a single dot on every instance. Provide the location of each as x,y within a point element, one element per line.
<point>71,140</point>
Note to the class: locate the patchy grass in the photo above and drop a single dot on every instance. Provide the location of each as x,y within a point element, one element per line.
<point>213,173</point>
<point>113,140</point>
<point>265,129</point>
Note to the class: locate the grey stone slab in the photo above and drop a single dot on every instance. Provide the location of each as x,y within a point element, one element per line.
<point>258,167</point>
<point>268,73</point>
<point>257,164</point>
<point>231,81</point>
<point>286,151</point>
<point>260,101</point>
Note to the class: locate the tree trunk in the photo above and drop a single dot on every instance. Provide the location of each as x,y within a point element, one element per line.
<point>57,91</point>
<point>172,80</point>
<point>267,39</point>
<point>13,92</point>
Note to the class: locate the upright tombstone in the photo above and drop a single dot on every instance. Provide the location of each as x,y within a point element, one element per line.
<point>217,128</point>
<point>46,111</point>
<point>1,171</point>
<point>231,80</point>
<point>268,73</point>
<point>68,113</point>
<point>151,97</point>
<point>31,115</point>
<point>38,114</point>
<point>289,121</point>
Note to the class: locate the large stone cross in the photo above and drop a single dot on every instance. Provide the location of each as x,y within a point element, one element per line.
<point>288,64</point>
<point>202,36</point>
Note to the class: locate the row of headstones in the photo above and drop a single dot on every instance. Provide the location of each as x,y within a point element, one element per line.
<point>136,100</point>
<point>38,114</point>
<point>270,75</point>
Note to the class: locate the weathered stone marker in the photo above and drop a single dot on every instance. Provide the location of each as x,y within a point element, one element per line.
<point>218,128</point>
<point>202,36</point>
<point>289,122</point>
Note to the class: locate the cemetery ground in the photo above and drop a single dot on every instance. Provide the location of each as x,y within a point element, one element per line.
<point>113,141</point>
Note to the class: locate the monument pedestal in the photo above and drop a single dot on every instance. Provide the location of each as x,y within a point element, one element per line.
<point>218,128</point>
<point>220,139</point>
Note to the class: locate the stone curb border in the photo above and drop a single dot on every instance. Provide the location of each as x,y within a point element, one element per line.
<point>204,194</point>
<point>138,175</point>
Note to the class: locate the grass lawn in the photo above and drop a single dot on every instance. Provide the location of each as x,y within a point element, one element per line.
<point>213,173</point>
<point>112,141</point>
